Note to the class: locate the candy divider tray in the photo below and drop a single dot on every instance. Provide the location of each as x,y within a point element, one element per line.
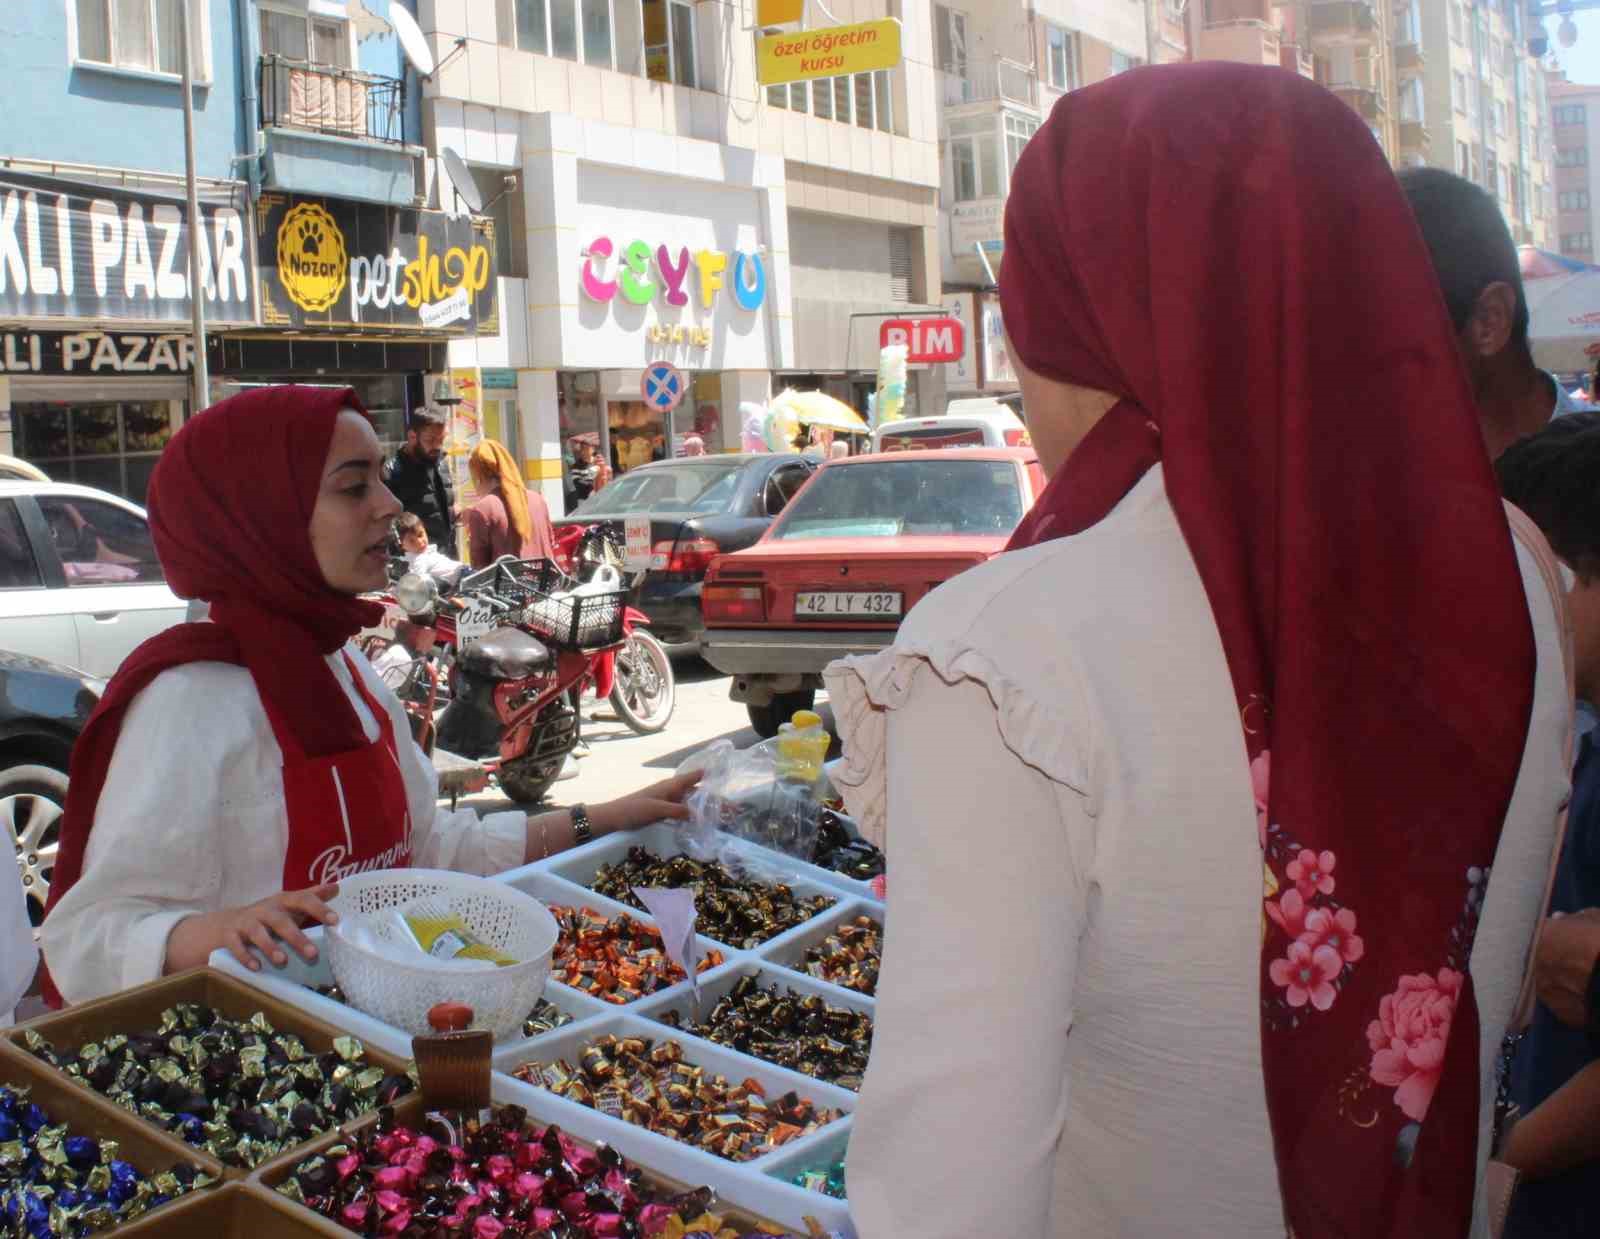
<point>139,1010</point>
<point>666,840</point>
<point>788,951</point>
<point>238,1211</point>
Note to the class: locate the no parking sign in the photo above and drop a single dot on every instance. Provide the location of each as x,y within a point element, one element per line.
<point>662,386</point>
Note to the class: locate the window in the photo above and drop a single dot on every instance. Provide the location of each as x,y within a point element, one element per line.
<point>950,31</point>
<point>1572,156</point>
<point>18,568</point>
<point>1018,130</point>
<point>1575,241</point>
<point>140,34</point>
<point>1500,117</point>
<point>99,543</point>
<point>1455,22</point>
<point>884,497</point>
<point>863,99</point>
<point>1407,29</point>
<point>1569,114</point>
<point>669,42</point>
<point>1458,90</point>
<point>1573,200</point>
<point>310,40</point>
<point>1463,159</point>
<point>508,208</point>
<point>1503,183</point>
<point>975,158</point>
<point>1490,168</point>
<point>1411,101</point>
<point>1121,63</point>
<point>606,33</point>
<point>1061,52</point>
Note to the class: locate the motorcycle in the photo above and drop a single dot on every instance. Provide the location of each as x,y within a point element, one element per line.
<point>519,641</point>
<point>637,678</point>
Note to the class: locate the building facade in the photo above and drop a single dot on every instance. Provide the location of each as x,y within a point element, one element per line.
<point>1575,117</point>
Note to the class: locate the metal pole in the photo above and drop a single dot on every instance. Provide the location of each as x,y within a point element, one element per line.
<point>197,300</point>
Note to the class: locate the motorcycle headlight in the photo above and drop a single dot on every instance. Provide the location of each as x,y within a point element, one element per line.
<point>416,593</point>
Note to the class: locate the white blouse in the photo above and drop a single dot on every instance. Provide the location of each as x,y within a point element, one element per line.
<point>1067,1038</point>
<point>192,820</point>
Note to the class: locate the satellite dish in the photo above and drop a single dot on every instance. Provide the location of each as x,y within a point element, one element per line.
<point>411,41</point>
<point>461,177</point>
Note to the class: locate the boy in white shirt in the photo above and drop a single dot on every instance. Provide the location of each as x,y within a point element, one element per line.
<point>422,555</point>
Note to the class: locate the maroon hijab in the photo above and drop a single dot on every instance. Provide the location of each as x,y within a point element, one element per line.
<point>230,511</point>
<point>1225,249</point>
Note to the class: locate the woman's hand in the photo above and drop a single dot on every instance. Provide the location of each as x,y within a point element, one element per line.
<point>652,804</point>
<point>267,925</point>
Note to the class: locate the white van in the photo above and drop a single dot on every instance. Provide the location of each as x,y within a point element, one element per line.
<point>983,422</point>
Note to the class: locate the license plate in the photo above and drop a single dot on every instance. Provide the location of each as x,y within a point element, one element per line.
<point>838,605</point>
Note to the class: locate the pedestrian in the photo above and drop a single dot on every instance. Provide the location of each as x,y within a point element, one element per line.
<point>509,517</point>
<point>692,445</point>
<point>422,555</point>
<point>584,477</point>
<point>202,815</point>
<point>1261,694</point>
<point>1475,260</point>
<point>417,476</point>
<point>1554,476</point>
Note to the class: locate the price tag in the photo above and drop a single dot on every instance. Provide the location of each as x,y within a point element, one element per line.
<point>476,621</point>
<point>636,553</point>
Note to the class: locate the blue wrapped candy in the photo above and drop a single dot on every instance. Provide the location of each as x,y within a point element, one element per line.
<point>33,1119</point>
<point>36,1216</point>
<point>82,1151</point>
<point>124,1183</point>
<point>191,1128</point>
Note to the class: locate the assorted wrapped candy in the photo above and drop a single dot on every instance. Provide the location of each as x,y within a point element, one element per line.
<point>500,1179</point>
<point>849,956</point>
<point>740,910</point>
<point>648,1083</point>
<point>841,852</point>
<point>615,959</point>
<point>545,1017</point>
<point>829,1180</point>
<point>240,1090</point>
<point>53,1183</point>
<point>799,1031</point>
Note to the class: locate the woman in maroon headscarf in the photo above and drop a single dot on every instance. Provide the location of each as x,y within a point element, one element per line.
<point>236,770</point>
<point>1191,804</point>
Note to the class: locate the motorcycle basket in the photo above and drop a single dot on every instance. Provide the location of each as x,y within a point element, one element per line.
<point>577,622</point>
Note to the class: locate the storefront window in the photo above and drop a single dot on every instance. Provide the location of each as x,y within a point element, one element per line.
<point>110,446</point>
<point>583,443</point>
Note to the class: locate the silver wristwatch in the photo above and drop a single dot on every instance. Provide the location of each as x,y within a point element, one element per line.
<point>582,828</point>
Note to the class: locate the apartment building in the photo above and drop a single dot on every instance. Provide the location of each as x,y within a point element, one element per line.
<point>1479,105</point>
<point>1575,119</point>
<point>663,206</point>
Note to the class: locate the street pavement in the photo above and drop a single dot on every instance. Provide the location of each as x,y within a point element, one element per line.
<point>621,761</point>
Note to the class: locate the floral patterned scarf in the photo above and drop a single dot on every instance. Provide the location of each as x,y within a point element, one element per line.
<point>1225,249</point>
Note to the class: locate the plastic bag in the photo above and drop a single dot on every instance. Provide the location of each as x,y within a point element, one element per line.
<point>770,794</point>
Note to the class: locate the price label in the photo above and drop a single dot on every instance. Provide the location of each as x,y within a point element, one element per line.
<point>636,553</point>
<point>476,621</point>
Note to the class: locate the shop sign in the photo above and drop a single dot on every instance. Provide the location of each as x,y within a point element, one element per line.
<point>927,340</point>
<point>977,223</point>
<point>95,352</point>
<point>636,542</point>
<point>642,275</point>
<point>778,12</point>
<point>962,373</point>
<point>332,263</point>
<point>831,51</point>
<point>997,368</point>
<point>73,250</point>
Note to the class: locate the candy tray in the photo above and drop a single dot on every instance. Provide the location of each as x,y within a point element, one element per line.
<point>789,951</point>
<point>139,1010</point>
<point>238,1211</point>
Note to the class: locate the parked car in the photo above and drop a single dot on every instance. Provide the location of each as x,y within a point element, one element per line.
<point>983,422</point>
<point>857,548</point>
<point>80,584</point>
<point>43,707</point>
<point>699,507</point>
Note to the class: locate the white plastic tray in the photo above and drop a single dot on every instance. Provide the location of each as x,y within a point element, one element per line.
<point>714,988</point>
<point>666,841</point>
<point>817,1151</point>
<point>294,981</point>
<point>789,951</point>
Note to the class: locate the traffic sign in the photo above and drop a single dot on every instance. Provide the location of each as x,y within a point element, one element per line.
<point>662,386</point>
<point>927,340</point>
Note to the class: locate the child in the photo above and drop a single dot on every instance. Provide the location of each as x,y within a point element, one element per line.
<point>411,642</point>
<point>422,555</point>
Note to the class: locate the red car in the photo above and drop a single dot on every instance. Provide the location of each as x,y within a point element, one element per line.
<point>860,545</point>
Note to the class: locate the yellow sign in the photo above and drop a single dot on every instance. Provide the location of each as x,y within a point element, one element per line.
<point>778,12</point>
<point>312,262</point>
<point>832,51</point>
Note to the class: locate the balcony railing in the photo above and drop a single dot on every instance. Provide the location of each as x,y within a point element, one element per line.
<point>1409,59</point>
<point>987,81</point>
<point>1297,59</point>
<point>1334,18</point>
<point>1413,136</point>
<point>1364,98</point>
<point>327,99</point>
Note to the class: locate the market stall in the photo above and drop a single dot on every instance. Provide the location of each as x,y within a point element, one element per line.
<point>669,1075</point>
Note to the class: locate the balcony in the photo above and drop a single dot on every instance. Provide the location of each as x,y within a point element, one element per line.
<point>1351,20</point>
<point>1409,60</point>
<point>1362,99</point>
<point>1413,137</point>
<point>336,132</point>
<point>1296,59</point>
<point>1245,40</point>
<point>991,81</point>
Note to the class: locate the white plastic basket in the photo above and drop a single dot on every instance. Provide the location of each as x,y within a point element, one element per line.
<point>401,994</point>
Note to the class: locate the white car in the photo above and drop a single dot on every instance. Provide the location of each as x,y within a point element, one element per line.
<point>80,583</point>
<point>983,422</point>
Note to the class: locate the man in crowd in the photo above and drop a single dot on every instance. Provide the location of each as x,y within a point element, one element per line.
<point>417,476</point>
<point>1476,262</point>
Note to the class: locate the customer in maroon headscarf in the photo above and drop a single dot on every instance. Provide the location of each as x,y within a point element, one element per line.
<point>1190,805</point>
<point>235,771</point>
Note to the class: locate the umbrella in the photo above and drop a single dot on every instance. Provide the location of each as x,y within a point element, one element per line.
<point>1564,327</point>
<point>815,408</point>
<point>1538,264</point>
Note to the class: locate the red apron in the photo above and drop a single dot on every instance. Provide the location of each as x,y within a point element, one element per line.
<point>347,811</point>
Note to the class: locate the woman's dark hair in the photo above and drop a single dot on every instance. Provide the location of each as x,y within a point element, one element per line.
<point>1554,476</point>
<point>1469,243</point>
<point>406,522</point>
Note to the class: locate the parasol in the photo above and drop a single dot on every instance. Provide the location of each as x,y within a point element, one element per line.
<point>815,408</point>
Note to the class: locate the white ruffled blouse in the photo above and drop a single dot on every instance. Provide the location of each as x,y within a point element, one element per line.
<point>1067,1038</point>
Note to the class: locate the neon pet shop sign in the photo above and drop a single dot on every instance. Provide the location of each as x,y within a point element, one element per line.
<point>643,274</point>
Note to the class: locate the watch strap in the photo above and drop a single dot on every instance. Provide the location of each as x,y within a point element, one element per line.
<point>582,828</point>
